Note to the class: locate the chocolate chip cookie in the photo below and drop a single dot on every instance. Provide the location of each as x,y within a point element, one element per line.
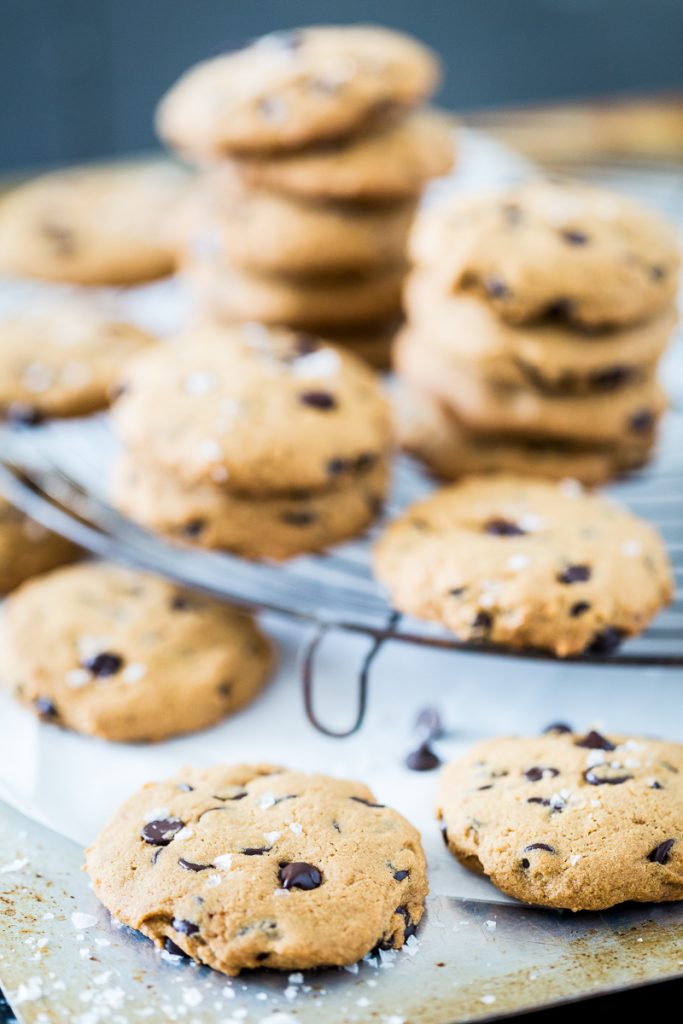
<point>256,866</point>
<point>581,822</point>
<point>526,563</point>
<point>27,548</point>
<point>127,656</point>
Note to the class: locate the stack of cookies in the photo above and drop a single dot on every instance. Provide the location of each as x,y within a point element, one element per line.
<point>313,156</point>
<point>253,440</point>
<point>536,319</point>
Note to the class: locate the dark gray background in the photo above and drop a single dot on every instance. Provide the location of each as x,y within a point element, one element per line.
<point>79,78</point>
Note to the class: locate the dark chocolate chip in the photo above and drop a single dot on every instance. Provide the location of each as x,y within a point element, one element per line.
<point>658,272</point>
<point>366,460</point>
<point>662,853</point>
<point>255,851</point>
<point>46,709</point>
<point>579,608</point>
<point>161,831</point>
<point>336,826</point>
<point>503,528</point>
<point>337,465</point>
<point>224,689</point>
<point>606,641</point>
<point>400,875</point>
<point>180,603</point>
<point>367,803</point>
<point>295,517</point>
<point>656,785</point>
<point>185,787</point>
<point>184,927</point>
<point>558,727</point>
<point>482,622</point>
<point>105,664</point>
<point>525,863</point>
<point>188,865</point>
<point>539,846</point>
<point>595,741</point>
<point>538,772</point>
<point>561,309</point>
<point>488,786</point>
<point>170,947</point>
<point>612,378</point>
<point>237,796</point>
<point>409,928</point>
<point>539,800</point>
<point>444,835</point>
<point>299,875</point>
<point>642,422</point>
<point>594,778</point>
<point>322,400</point>
<point>457,591</point>
<point>262,956</point>
<point>574,574</point>
<point>287,796</point>
<point>423,759</point>
<point>496,288</point>
<point>194,527</point>
<point>575,237</point>
<point>22,414</point>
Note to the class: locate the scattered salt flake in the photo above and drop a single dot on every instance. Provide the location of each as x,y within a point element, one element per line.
<point>351,968</point>
<point>490,926</point>
<point>48,916</point>
<point>595,802</point>
<point>530,522</point>
<point>394,1019</point>
<point>29,991</point>
<point>371,983</point>
<point>156,814</point>
<point>84,952</point>
<point>411,946</point>
<point>595,757</point>
<point>574,859</point>
<point>639,939</point>
<point>223,861</point>
<point>102,942</point>
<point>267,800</point>
<point>134,672</point>
<point>77,677</point>
<point>323,363</point>
<point>517,562</point>
<point>210,449</point>
<point>291,992</point>
<point>81,921</point>
<point>631,548</point>
<point>212,881</point>
<point>296,979</point>
<point>488,1000</point>
<point>192,996</point>
<point>271,837</point>
<point>363,1001</point>
<point>199,382</point>
<point>280,1017</point>
<point>296,828</point>
<point>14,865</point>
<point>184,833</point>
<point>572,488</point>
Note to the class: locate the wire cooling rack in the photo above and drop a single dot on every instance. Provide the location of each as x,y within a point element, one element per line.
<point>57,473</point>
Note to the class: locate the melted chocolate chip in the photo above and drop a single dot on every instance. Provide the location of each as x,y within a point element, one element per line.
<point>295,517</point>
<point>322,400</point>
<point>579,608</point>
<point>409,928</point>
<point>255,851</point>
<point>161,831</point>
<point>594,777</point>
<point>104,664</point>
<point>299,875</point>
<point>188,865</point>
<point>574,574</point>
<point>503,528</point>
<point>557,727</point>
<point>423,759</point>
<point>170,947</point>
<point>642,422</point>
<point>184,927</point>
<point>400,875</point>
<point>539,846</point>
<point>538,772</point>
<point>662,853</point>
<point>496,288</point>
<point>606,641</point>
<point>575,237</point>
<point>22,414</point>
<point>367,803</point>
<point>595,741</point>
<point>194,527</point>
<point>46,709</point>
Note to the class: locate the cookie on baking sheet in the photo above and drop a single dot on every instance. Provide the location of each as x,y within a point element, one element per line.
<point>239,296</point>
<point>91,225</point>
<point>392,162</point>
<point>271,527</point>
<point>265,232</point>
<point>61,358</point>
<point>127,656</point>
<point>570,252</point>
<point>254,410</point>
<point>629,414</point>
<point>27,548</point>
<point>292,88</point>
<point>256,866</point>
<point>526,563</point>
<point>434,435</point>
<point>547,357</point>
<point>581,822</point>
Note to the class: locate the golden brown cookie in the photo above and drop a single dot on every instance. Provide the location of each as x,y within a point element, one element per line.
<point>581,822</point>
<point>526,563</point>
<point>256,866</point>
<point>27,548</point>
<point>127,656</point>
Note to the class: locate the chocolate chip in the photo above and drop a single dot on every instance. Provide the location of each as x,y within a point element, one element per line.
<point>444,835</point>
<point>256,851</point>
<point>367,803</point>
<point>642,422</point>
<point>299,875</point>
<point>539,800</point>
<point>180,603</point>
<point>658,272</point>
<point>612,378</point>
<point>457,591</point>
<point>579,608</point>
<point>400,875</point>
<point>194,527</point>
<point>305,344</point>
<point>538,772</point>
<point>539,846</point>
<point>423,759</point>
<point>322,400</point>
<point>409,928</point>
<point>237,796</point>
<point>336,826</point>
<point>224,689</point>
<point>287,796</point>
<point>22,414</point>
<point>561,309</point>
<point>260,957</point>
<point>595,741</point>
<point>503,528</point>
<point>594,778</point>
<point>185,787</point>
<point>366,460</point>
<point>161,831</point>
<point>482,622</point>
<point>188,865</point>
<point>558,727</point>
<point>480,788</point>
<point>104,664</point>
<point>656,785</point>
<point>184,927</point>
<point>662,853</point>
<point>496,288</point>
<point>337,465</point>
<point>575,237</point>
<point>170,947</point>
<point>574,574</point>
<point>294,517</point>
<point>606,641</point>
<point>46,709</point>
<point>525,863</point>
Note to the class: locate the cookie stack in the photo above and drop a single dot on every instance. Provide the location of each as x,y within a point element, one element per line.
<point>313,157</point>
<point>536,319</point>
<point>254,440</point>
